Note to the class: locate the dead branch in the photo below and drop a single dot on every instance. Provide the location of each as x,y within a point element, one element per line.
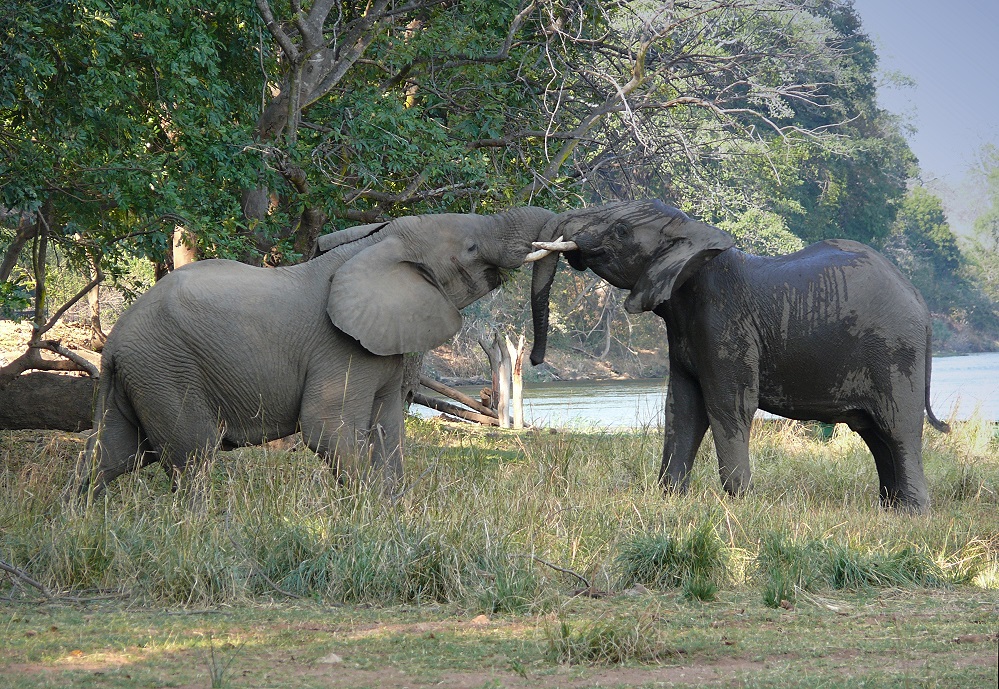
<point>22,575</point>
<point>447,408</point>
<point>586,582</point>
<point>457,396</point>
<point>81,362</point>
<point>33,360</point>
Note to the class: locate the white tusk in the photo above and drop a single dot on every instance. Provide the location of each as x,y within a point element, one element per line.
<point>543,249</point>
<point>557,245</point>
<point>536,255</point>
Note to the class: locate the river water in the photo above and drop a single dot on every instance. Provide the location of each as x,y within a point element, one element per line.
<point>962,386</point>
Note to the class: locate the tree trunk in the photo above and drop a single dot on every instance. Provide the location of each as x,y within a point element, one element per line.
<point>48,400</point>
<point>504,375</point>
<point>454,410</point>
<point>97,335</point>
<point>516,355</point>
<point>499,366</point>
<point>457,396</point>
<point>493,355</point>
<point>26,229</point>
<point>185,247</point>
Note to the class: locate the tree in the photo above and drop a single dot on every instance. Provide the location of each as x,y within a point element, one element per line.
<point>428,106</point>
<point>762,233</point>
<point>117,124</point>
<point>924,247</point>
<point>982,250</point>
<point>954,283</point>
<point>249,130</point>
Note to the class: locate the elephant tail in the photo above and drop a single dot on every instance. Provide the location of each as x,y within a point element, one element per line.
<point>934,421</point>
<point>105,388</point>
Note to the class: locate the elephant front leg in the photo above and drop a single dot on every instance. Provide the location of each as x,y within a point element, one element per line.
<point>685,425</point>
<point>730,412</point>
<point>355,425</point>
<point>387,436</point>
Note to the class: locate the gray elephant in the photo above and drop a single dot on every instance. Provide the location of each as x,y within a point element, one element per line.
<point>832,333</point>
<point>220,354</point>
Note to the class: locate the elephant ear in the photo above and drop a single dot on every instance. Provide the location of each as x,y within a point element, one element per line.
<point>389,304</point>
<point>692,245</point>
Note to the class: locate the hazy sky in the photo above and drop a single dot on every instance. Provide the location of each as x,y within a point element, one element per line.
<point>949,48</point>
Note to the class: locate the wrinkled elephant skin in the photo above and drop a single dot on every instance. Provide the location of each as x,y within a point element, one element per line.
<point>219,354</point>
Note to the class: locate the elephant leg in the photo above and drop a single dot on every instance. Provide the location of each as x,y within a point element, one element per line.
<point>335,422</point>
<point>117,447</point>
<point>686,423</point>
<point>900,470</point>
<point>730,408</point>
<point>194,435</point>
<point>387,435</point>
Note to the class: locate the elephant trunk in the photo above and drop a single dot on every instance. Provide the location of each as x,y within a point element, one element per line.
<point>542,277</point>
<point>521,227</point>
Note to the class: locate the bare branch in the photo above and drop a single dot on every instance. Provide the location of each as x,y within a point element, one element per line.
<point>82,364</point>
<point>584,580</point>
<point>20,574</point>
<point>277,32</point>
<point>69,304</point>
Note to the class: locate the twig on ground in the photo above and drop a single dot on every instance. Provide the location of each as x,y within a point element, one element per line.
<point>23,576</point>
<point>586,582</point>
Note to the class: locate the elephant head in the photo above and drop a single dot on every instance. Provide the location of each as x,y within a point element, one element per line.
<point>643,246</point>
<point>404,291</point>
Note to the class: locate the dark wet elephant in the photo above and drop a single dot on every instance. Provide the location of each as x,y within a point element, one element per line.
<point>832,333</point>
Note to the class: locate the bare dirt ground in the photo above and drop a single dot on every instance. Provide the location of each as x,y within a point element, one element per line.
<point>916,638</point>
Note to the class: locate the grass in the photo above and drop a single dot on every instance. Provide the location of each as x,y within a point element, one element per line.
<point>503,527</point>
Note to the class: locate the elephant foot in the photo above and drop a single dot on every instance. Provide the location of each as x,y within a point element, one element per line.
<point>904,504</point>
<point>673,487</point>
<point>736,482</point>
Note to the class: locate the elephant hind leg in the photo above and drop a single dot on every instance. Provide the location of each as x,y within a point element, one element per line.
<point>193,434</point>
<point>117,446</point>
<point>900,471</point>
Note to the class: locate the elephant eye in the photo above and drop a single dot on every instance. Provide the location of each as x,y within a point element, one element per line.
<point>472,248</point>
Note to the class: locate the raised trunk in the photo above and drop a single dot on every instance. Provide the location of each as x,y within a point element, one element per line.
<point>518,229</point>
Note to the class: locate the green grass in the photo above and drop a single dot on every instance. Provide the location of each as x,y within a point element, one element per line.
<point>507,525</point>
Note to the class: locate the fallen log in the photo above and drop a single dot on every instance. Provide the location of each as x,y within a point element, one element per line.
<point>453,410</point>
<point>48,400</point>
<point>458,396</point>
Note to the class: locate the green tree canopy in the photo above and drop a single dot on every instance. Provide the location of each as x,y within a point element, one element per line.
<point>254,128</point>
